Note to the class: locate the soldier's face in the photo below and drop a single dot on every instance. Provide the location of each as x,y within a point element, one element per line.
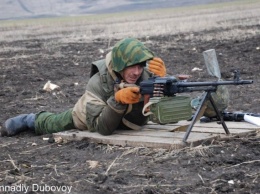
<point>132,74</point>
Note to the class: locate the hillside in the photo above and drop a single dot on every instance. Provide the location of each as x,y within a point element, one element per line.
<point>20,9</point>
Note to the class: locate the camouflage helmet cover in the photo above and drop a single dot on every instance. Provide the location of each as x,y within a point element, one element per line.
<point>127,52</point>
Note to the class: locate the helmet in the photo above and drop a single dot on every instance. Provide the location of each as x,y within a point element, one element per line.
<point>127,52</point>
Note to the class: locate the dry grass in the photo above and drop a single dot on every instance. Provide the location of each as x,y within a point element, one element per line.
<point>229,16</point>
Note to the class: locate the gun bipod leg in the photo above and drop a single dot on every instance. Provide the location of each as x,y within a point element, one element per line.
<point>219,116</point>
<point>206,96</point>
<point>197,115</point>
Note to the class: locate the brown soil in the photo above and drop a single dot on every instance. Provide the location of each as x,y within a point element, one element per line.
<point>210,168</point>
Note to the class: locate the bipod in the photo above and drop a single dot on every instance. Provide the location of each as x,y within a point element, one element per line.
<point>199,113</point>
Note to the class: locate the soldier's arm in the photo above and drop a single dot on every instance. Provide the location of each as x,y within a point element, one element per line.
<point>102,116</point>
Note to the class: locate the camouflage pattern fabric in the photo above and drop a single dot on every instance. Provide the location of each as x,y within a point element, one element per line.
<point>221,99</point>
<point>47,122</point>
<point>129,52</point>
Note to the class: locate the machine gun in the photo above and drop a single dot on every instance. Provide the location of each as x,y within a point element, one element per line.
<point>170,86</point>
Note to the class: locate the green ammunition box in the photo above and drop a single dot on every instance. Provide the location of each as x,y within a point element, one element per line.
<point>170,109</point>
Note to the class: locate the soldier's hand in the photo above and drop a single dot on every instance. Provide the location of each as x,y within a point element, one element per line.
<point>128,95</point>
<point>157,66</point>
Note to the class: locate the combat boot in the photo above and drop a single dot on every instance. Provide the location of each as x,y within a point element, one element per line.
<point>18,124</point>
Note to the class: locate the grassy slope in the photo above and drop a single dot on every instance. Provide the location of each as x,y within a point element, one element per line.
<point>139,24</point>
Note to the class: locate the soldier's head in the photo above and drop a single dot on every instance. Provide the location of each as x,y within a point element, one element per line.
<point>129,57</point>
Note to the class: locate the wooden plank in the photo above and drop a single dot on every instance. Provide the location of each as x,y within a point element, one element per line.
<point>221,131</point>
<point>230,125</point>
<point>202,129</point>
<point>131,138</point>
<point>160,136</point>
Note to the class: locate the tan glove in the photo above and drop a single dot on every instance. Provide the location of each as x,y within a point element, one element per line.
<point>128,95</point>
<point>156,66</point>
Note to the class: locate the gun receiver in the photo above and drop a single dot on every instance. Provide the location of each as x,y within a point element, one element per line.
<point>169,86</point>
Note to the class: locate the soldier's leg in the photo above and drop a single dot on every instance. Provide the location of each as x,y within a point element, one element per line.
<point>41,123</point>
<point>46,122</point>
<point>18,124</point>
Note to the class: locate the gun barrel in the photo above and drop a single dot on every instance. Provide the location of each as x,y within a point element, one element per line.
<point>216,83</point>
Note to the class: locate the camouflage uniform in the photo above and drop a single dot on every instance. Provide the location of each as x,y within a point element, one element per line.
<point>97,109</point>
